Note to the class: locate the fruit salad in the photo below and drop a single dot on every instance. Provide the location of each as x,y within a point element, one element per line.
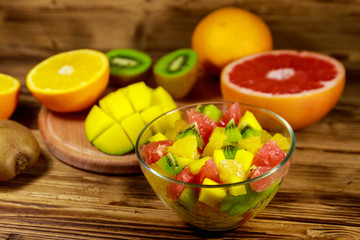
<point>214,157</point>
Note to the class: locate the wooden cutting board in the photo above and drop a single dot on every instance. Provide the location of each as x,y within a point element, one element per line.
<point>64,136</point>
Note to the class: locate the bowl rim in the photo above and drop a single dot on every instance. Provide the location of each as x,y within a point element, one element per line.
<point>227,185</point>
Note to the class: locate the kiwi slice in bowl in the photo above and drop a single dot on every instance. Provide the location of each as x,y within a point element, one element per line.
<point>128,66</point>
<point>176,72</point>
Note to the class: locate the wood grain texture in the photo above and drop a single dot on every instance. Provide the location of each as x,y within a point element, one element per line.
<point>320,197</point>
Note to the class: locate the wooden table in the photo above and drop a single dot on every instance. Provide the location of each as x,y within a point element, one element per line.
<point>320,198</point>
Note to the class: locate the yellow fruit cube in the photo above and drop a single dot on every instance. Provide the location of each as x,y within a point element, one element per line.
<point>116,105</point>
<point>248,119</point>
<point>265,136</point>
<point>281,141</point>
<point>185,161</point>
<point>196,165</point>
<point>216,141</point>
<point>114,141</point>
<point>161,97</point>
<point>133,125</point>
<point>245,158</point>
<point>151,113</point>
<point>96,123</point>
<point>185,147</point>
<point>211,196</point>
<point>237,190</point>
<point>252,144</point>
<point>218,156</point>
<point>158,137</point>
<point>139,95</point>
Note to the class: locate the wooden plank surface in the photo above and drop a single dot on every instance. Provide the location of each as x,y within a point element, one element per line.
<point>320,197</point>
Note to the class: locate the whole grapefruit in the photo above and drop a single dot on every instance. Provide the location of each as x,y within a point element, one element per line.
<point>227,34</point>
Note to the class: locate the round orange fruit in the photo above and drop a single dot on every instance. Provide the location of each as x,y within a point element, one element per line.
<point>69,81</point>
<point>227,34</point>
<point>300,86</point>
<point>9,95</point>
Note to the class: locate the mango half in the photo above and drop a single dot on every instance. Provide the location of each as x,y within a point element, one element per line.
<point>114,126</point>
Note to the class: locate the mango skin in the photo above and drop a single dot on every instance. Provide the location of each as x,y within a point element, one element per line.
<point>19,149</point>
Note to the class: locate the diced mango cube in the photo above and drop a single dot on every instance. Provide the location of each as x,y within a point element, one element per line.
<point>116,105</point>
<point>216,141</point>
<point>133,125</point>
<point>139,95</point>
<point>150,113</point>
<point>114,141</point>
<point>237,190</point>
<point>158,137</point>
<point>96,123</point>
<point>211,196</point>
<point>185,147</point>
<point>245,157</point>
<point>195,166</point>
<point>218,156</point>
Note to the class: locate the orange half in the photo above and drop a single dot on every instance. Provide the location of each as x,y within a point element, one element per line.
<point>9,95</point>
<point>69,81</point>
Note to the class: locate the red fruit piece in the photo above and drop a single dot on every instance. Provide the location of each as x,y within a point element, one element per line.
<point>232,112</point>
<point>174,189</point>
<point>205,124</point>
<point>261,184</point>
<point>155,150</point>
<point>269,155</point>
<point>208,170</point>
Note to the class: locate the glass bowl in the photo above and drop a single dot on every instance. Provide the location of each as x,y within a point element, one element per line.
<point>234,209</point>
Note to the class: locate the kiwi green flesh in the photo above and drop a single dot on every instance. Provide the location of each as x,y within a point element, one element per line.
<point>232,132</point>
<point>176,63</point>
<point>211,111</point>
<point>128,62</point>
<point>230,151</point>
<point>169,164</point>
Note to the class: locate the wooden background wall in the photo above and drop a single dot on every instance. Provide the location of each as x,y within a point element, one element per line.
<point>31,30</point>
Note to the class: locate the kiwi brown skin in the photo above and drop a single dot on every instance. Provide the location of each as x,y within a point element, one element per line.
<point>19,149</point>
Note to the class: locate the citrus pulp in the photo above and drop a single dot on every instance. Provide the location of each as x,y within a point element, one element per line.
<point>9,95</point>
<point>69,81</point>
<point>302,87</point>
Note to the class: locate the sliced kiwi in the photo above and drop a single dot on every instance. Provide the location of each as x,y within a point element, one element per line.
<point>230,151</point>
<point>211,111</point>
<point>192,130</point>
<point>188,198</point>
<point>232,132</point>
<point>128,66</point>
<point>249,126</point>
<point>177,72</point>
<point>170,164</point>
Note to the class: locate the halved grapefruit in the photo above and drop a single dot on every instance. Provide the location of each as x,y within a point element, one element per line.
<point>300,86</point>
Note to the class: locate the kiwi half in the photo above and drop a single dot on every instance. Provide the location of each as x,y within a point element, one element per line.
<point>177,72</point>
<point>128,66</point>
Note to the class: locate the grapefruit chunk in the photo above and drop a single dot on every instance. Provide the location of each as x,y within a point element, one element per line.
<point>302,87</point>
